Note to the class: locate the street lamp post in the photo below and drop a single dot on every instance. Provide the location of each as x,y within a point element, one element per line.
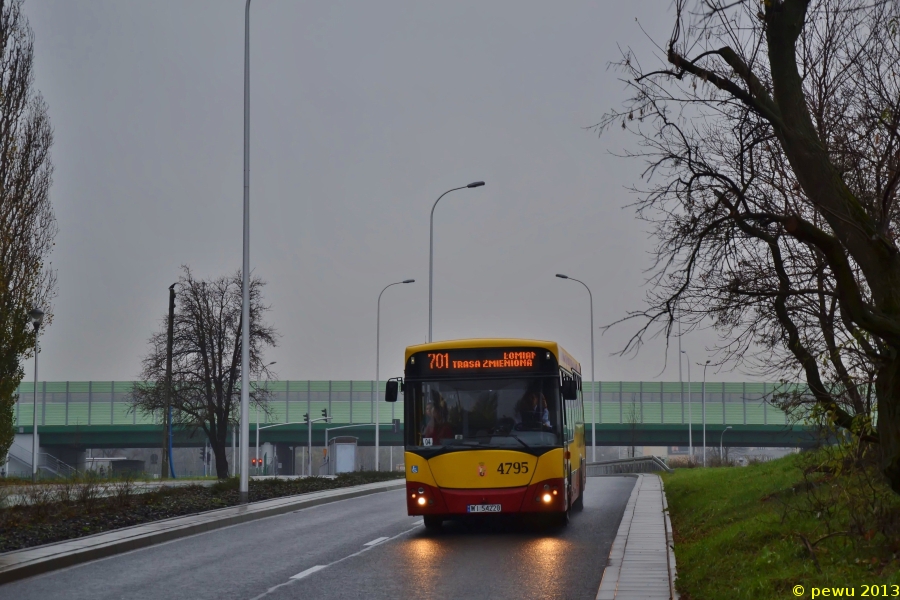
<point>721,455</point>
<point>166,461</point>
<point>375,415</point>
<point>257,419</point>
<point>593,387</point>
<point>474,184</point>
<point>36,316</point>
<point>704,412</point>
<point>245,279</point>
<point>690,412</point>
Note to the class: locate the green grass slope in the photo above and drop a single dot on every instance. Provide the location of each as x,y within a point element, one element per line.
<point>754,532</point>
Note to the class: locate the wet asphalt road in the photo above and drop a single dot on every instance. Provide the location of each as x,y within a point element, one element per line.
<point>360,548</point>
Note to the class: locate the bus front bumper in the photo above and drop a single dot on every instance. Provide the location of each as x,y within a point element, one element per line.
<point>546,496</point>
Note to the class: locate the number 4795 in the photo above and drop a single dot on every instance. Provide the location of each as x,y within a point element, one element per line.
<point>513,467</point>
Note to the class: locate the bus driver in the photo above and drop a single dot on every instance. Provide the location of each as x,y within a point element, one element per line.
<point>436,426</point>
<point>532,412</point>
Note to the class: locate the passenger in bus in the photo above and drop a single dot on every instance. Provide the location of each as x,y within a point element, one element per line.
<point>436,426</point>
<point>532,412</point>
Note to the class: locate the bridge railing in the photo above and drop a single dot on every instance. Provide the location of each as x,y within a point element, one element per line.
<point>639,464</point>
<point>638,402</point>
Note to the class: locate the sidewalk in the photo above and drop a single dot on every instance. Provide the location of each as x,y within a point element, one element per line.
<point>642,561</point>
<point>49,557</point>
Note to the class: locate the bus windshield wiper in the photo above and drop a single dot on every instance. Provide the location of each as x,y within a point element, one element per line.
<point>518,439</point>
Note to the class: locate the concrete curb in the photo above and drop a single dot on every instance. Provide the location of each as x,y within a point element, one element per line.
<point>649,539</point>
<point>28,562</point>
<point>670,544</point>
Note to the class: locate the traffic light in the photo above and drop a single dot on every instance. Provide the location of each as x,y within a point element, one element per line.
<point>325,413</point>
<point>306,417</point>
<point>395,425</point>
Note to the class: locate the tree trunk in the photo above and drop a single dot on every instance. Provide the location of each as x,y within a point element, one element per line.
<point>887,388</point>
<point>218,448</point>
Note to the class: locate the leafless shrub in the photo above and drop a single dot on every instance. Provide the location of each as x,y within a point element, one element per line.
<point>41,497</point>
<point>88,491</point>
<point>683,462</point>
<point>713,459</point>
<point>123,491</point>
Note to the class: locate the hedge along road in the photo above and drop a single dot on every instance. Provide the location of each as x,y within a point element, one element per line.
<point>362,547</point>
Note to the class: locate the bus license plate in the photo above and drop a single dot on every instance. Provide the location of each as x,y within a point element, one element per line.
<point>479,508</point>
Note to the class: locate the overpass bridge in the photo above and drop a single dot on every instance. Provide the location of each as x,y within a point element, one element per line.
<point>98,414</point>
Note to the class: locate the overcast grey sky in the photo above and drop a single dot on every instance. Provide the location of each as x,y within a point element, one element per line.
<point>362,114</point>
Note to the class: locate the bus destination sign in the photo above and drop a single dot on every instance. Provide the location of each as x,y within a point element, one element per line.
<point>480,360</point>
<point>509,360</point>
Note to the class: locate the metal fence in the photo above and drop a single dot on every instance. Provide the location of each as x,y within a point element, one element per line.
<point>640,464</point>
<point>107,403</point>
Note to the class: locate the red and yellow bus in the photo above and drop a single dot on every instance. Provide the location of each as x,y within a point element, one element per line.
<point>492,426</point>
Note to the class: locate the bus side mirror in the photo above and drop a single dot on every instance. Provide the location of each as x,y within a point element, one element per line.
<point>392,387</point>
<point>570,389</point>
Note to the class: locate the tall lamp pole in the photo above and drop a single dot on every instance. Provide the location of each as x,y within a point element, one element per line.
<point>167,409</point>
<point>245,280</point>
<point>593,387</point>
<point>474,184</point>
<point>704,412</point>
<point>257,420</point>
<point>36,316</point>
<point>680,380</point>
<point>690,412</point>
<point>375,415</point>
<point>721,455</point>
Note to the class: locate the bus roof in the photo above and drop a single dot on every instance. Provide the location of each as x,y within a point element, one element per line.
<point>562,357</point>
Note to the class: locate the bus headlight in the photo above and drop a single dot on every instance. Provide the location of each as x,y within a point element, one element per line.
<point>421,501</point>
<point>547,498</point>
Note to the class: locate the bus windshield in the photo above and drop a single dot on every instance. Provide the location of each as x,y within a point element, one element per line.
<point>493,413</point>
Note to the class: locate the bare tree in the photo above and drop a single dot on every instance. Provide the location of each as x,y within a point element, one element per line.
<point>771,136</point>
<point>27,223</point>
<point>206,358</point>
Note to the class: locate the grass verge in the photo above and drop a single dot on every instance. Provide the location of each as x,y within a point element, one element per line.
<point>47,518</point>
<point>749,533</point>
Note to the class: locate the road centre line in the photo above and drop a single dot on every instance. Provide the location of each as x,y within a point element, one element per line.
<point>309,571</point>
<point>375,541</point>
<point>317,568</point>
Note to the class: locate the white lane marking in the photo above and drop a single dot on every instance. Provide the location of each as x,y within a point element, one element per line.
<point>375,541</point>
<point>309,571</point>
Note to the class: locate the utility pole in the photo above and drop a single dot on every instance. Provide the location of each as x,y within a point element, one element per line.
<point>167,410</point>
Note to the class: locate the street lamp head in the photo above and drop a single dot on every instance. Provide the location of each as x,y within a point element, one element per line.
<point>727,428</point>
<point>408,281</point>
<point>36,316</point>
<point>475,184</point>
<point>561,276</point>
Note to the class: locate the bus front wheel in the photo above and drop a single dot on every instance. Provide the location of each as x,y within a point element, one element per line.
<point>433,522</point>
